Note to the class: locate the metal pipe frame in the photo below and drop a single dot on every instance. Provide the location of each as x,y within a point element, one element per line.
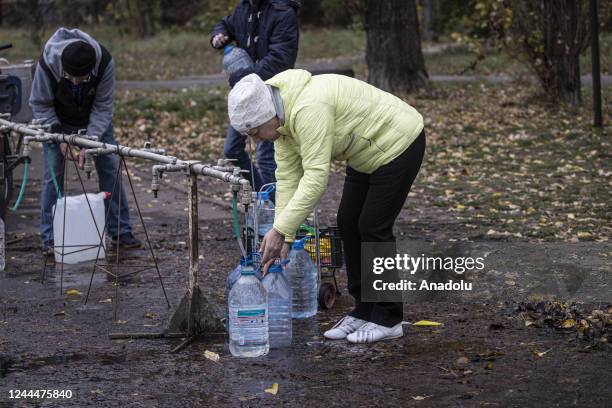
<point>37,133</point>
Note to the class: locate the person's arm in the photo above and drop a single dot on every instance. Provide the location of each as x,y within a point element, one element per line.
<point>42,97</point>
<point>288,174</point>
<point>282,50</point>
<point>101,115</point>
<point>225,27</point>
<point>314,127</point>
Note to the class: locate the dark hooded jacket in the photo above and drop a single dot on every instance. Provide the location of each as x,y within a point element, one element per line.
<point>268,31</point>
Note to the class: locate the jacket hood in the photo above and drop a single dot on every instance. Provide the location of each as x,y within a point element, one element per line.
<point>290,83</point>
<point>52,54</point>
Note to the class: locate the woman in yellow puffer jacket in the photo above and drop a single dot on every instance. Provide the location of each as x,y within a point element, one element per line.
<point>313,120</point>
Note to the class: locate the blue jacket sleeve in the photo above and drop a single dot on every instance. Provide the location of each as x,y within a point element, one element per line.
<point>283,47</point>
<point>225,26</point>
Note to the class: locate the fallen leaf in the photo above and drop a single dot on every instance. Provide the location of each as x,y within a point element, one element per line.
<point>568,323</point>
<point>540,353</point>
<point>462,362</point>
<point>419,397</point>
<point>489,365</point>
<point>109,300</point>
<point>60,313</point>
<point>211,355</point>
<point>73,292</point>
<point>149,315</point>
<point>120,321</point>
<point>273,389</point>
<point>427,323</point>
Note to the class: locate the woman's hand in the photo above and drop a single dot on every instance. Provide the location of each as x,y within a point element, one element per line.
<point>272,245</point>
<point>285,251</point>
<point>284,254</point>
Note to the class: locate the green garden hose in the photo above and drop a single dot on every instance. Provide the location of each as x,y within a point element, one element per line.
<point>53,177</point>
<point>26,173</point>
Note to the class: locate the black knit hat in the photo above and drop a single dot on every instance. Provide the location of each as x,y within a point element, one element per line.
<point>78,58</point>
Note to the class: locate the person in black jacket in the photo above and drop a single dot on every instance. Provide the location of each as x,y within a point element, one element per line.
<point>268,31</point>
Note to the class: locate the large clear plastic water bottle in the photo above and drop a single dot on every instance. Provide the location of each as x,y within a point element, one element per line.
<point>265,213</point>
<point>302,274</point>
<point>248,316</point>
<point>235,274</point>
<point>2,244</point>
<point>235,59</point>
<point>280,299</point>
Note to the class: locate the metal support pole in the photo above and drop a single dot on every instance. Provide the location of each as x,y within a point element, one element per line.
<point>194,265</point>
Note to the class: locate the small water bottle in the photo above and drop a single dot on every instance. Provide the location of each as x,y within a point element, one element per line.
<point>302,274</point>
<point>235,59</point>
<point>280,299</point>
<point>2,244</point>
<point>248,315</point>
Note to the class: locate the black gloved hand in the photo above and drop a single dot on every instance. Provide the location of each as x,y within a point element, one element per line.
<point>238,75</point>
<point>56,128</point>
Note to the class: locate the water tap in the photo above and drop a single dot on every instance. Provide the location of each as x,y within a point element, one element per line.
<point>157,175</point>
<point>88,165</point>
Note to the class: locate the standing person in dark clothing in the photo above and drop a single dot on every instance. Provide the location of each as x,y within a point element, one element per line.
<point>73,89</point>
<point>268,31</point>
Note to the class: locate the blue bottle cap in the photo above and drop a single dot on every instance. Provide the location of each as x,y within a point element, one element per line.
<point>264,195</point>
<point>227,49</point>
<point>299,244</point>
<point>248,261</point>
<point>275,269</point>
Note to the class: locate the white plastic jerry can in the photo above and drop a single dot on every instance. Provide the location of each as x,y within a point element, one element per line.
<point>81,239</point>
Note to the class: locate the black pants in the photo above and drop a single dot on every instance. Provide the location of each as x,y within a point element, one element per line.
<point>369,206</point>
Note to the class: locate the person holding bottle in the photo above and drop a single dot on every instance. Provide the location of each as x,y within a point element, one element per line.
<point>268,31</point>
<point>313,120</point>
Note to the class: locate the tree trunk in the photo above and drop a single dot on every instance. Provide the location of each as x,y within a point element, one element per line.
<point>563,57</point>
<point>552,34</point>
<point>427,11</point>
<point>393,54</point>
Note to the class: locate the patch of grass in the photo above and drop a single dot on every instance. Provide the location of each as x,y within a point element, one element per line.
<point>187,123</point>
<point>458,60</point>
<point>331,43</point>
<point>454,61</point>
<point>172,54</point>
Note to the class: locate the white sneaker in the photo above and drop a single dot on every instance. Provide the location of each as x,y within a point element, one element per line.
<point>346,326</point>
<point>372,332</point>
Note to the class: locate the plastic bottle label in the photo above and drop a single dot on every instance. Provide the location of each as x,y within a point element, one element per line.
<point>249,326</point>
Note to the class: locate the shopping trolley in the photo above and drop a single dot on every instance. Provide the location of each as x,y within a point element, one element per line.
<point>325,249</point>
